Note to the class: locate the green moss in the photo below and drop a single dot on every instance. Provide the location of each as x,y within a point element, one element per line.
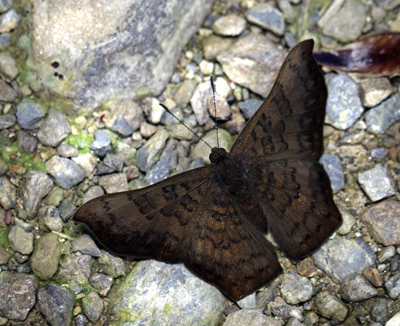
<point>59,101</point>
<point>24,42</point>
<point>87,288</point>
<point>54,84</point>
<point>49,76</point>
<point>42,107</point>
<point>67,230</point>
<point>66,248</point>
<point>167,308</point>
<point>86,300</point>
<point>220,321</point>
<point>31,164</point>
<point>81,140</point>
<point>41,76</point>
<point>55,197</point>
<point>4,243</point>
<point>141,92</point>
<point>51,280</point>
<point>13,155</point>
<point>125,316</point>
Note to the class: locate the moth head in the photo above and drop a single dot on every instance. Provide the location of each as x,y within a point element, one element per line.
<point>217,155</point>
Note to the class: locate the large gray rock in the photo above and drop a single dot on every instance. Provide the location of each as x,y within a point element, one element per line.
<point>49,298</point>
<point>383,222</point>
<point>253,62</point>
<point>97,51</point>
<point>54,129</point>
<point>343,106</point>
<point>167,293</point>
<point>46,256</point>
<point>20,240</point>
<point>36,186</point>
<point>250,317</point>
<point>381,117</point>
<point>330,306</point>
<point>66,172</point>
<point>346,22</point>
<point>340,257</point>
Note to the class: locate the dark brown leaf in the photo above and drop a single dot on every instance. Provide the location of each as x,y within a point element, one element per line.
<point>372,55</point>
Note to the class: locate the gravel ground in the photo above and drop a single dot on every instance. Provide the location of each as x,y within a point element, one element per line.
<point>56,155</point>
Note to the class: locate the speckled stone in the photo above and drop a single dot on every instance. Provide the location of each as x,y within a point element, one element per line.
<point>18,295</point>
<point>49,298</point>
<point>383,221</point>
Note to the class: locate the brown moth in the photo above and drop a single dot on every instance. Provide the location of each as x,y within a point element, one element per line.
<point>214,219</point>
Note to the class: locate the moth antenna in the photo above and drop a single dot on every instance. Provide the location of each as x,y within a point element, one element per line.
<point>215,108</point>
<point>169,111</point>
